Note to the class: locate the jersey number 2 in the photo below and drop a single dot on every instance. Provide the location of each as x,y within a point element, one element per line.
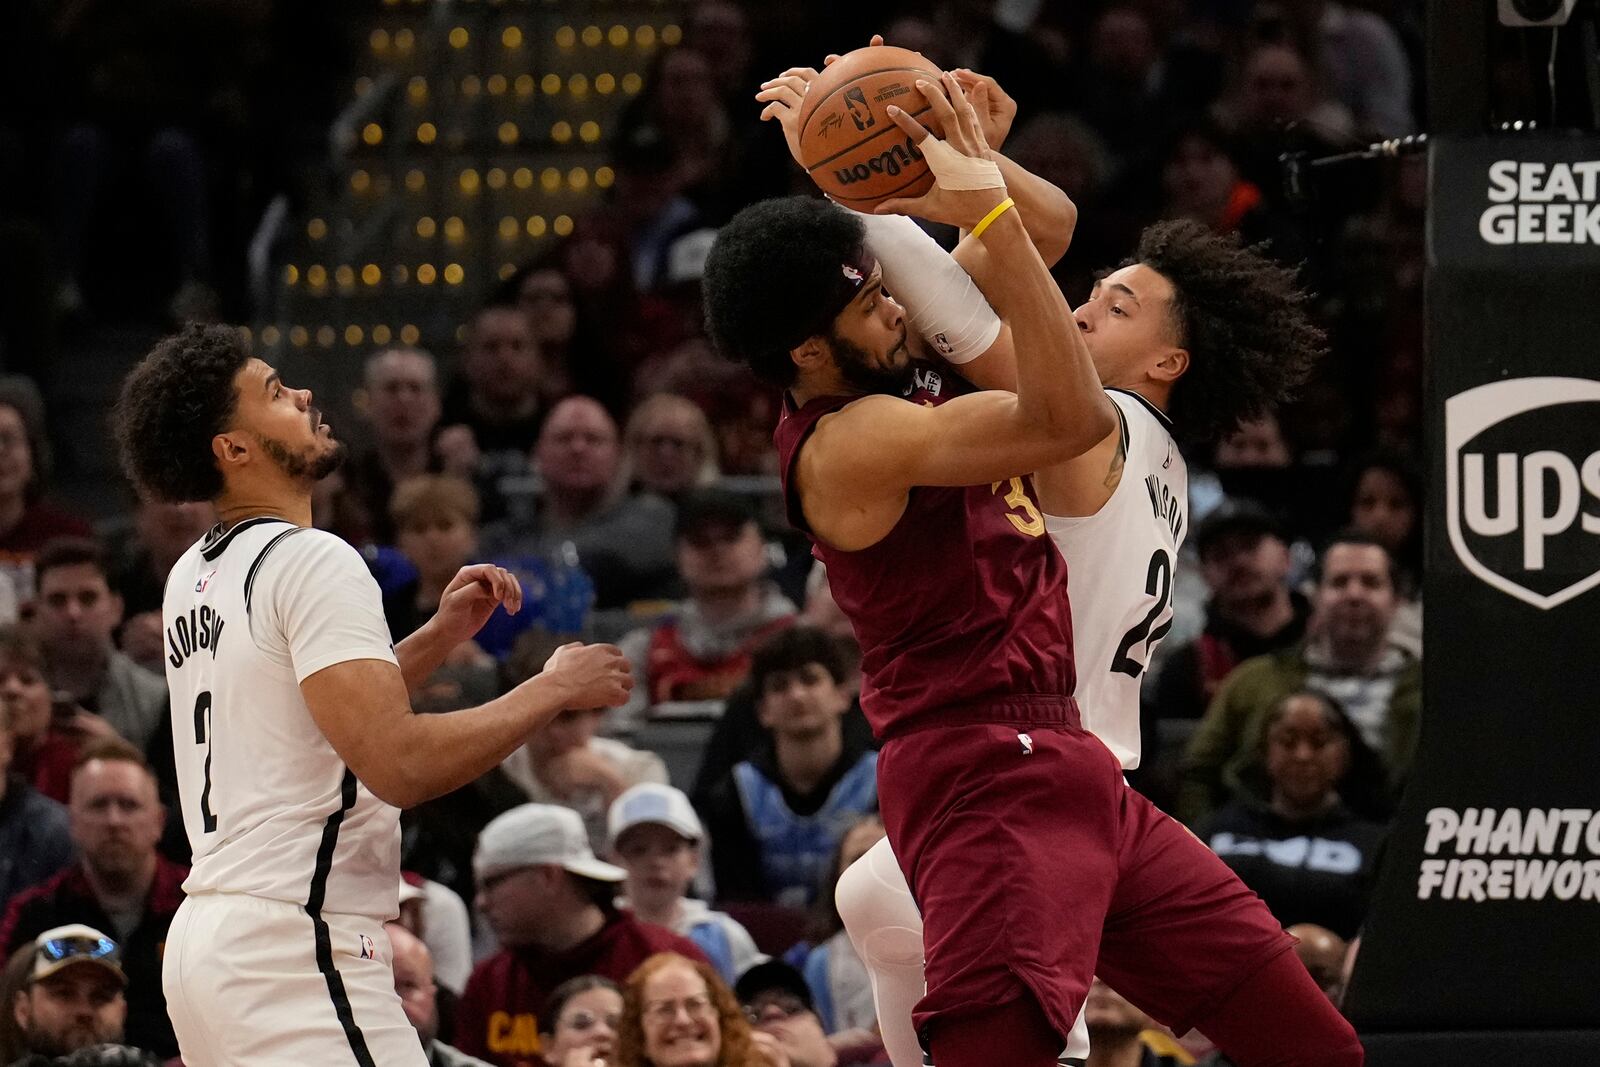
<point>202,736</point>
<point>1157,583</point>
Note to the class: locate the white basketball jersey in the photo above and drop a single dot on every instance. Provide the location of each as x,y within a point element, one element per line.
<point>270,808</point>
<point>1120,566</point>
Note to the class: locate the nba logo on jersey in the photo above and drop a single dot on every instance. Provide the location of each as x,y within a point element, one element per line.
<point>369,951</point>
<point>204,580</point>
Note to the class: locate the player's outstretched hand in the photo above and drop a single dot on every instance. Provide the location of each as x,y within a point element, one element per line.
<point>783,96</point>
<point>967,184</point>
<point>595,676</point>
<point>995,107</point>
<point>472,596</point>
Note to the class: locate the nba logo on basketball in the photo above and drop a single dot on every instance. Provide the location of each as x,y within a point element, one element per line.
<point>1522,486</point>
<point>369,951</point>
<point>856,101</point>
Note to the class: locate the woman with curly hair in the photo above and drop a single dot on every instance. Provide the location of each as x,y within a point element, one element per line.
<point>678,1013</point>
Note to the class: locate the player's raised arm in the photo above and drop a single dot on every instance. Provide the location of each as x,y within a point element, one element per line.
<point>362,708</point>
<point>1058,390</point>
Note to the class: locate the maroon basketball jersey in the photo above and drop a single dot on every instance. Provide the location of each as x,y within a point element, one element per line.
<point>961,611</point>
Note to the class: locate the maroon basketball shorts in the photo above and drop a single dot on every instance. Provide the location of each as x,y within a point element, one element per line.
<point>1036,867</point>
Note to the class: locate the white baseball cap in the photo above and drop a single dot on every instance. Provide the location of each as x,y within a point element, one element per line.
<point>536,834</point>
<point>652,803</point>
<point>61,947</point>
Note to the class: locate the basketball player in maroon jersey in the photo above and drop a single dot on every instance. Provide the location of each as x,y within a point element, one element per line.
<point>999,806</point>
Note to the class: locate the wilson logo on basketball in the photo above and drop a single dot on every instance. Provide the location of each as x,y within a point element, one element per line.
<point>891,163</point>
<point>1522,486</point>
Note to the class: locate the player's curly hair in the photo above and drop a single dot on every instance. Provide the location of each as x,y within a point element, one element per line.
<point>772,278</point>
<point>1243,319</point>
<point>172,404</point>
<point>738,1049</point>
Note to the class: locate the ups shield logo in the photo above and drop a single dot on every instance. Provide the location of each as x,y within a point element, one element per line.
<point>1522,486</point>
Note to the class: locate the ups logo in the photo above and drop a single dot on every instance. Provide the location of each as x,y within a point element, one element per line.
<point>1522,486</point>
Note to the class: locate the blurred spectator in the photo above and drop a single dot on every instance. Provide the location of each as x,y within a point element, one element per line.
<point>580,1021</point>
<point>777,818</point>
<point>436,523</point>
<point>28,521</point>
<point>35,839</point>
<point>654,166</point>
<point>1066,151</point>
<point>78,614</point>
<point>436,915</point>
<point>682,109</point>
<point>139,569</point>
<point>573,363</point>
<point>967,34</point>
<point>841,989</point>
<point>413,982</point>
<point>1116,1030</point>
<point>435,520</point>
<point>1361,54</point>
<point>550,905</point>
<point>43,748</point>
<point>399,396</point>
<point>1123,90</point>
<point>71,1001</point>
<point>676,1012</point>
<point>779,1004</point>
<point>1201,181</point>
<point>564,763</point>
<point>498,396</point>
<point>671,450</point>
<point>1244,559</point>
<point>702,649</point>
<point>1323,952</point>
<point>654,833</point>
<point>621,542</point>
<point>120,884</point>
<point>1278,89</point>
<point>1289,832</point>
<point>1346,655</point>
<point>1386,505</point>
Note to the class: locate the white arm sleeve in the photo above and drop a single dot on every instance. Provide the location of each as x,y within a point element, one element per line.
<point>314,604</point>
<point>942,302</point>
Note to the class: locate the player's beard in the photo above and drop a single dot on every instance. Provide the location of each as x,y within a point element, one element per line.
<point>856,368</point>
<point>309,465</point>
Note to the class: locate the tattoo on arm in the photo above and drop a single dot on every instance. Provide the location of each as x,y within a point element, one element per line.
<point>1114,472</point>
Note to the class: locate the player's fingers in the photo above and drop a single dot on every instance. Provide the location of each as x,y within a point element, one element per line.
<point>775,110</point>
<point>966,115</point>
<point>782,94</point>
<point>513,597</point>
<point>830,59</point>
<point>793,82</point>
<point>943,114</point>
<point>903,119</point>
<point>876,42</point>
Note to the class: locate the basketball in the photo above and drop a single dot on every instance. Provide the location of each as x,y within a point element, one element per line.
<point>849,145</point>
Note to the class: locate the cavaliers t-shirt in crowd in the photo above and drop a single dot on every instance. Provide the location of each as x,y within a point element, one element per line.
<point>497,1018</point>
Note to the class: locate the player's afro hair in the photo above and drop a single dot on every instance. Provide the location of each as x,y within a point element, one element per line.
<point>772,280</point>
<point>172,404</point>
<point>1242,318</point>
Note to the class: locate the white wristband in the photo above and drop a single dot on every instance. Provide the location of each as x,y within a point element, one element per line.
<point>952,170</point>
<point>942,302</point>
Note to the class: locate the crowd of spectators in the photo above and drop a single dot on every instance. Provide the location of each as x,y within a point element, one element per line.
<point>653,885</point>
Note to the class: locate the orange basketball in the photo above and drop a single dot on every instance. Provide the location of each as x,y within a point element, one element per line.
<point>850,146</point>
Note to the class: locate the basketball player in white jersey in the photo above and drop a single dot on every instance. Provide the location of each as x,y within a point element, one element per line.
<point>1190,307</point>
<point>295,740</point>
